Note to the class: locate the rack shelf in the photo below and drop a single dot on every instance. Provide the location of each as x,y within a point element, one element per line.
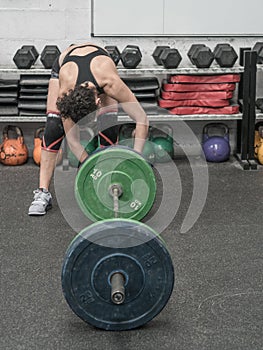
<point>121,118</point>
<point>139,70</point>
<point>193,117</point>
<point>22,119</point>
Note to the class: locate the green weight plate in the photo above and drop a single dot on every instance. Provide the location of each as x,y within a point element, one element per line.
<point>117,246</point>
<point>121,166</point>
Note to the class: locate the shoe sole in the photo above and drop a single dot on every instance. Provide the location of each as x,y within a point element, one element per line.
<point>49,206</point>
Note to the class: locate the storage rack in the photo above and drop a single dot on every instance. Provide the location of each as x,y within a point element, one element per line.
<point>137,72</point>
<point>246,93</point>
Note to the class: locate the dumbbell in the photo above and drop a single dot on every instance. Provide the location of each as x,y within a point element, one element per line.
<point>200,55</point>
<point>225,55</point>
<point>131,56</point>
<point>48,55</point>
<point>25,57</point>
<point>114,53</point>
<point>166,56</point>
<point>157,52</point>
<point>117,264</point>
<point>258,47</point>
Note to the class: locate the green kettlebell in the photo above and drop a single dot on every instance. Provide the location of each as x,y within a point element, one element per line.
<point>126,131</point>
<point>126,139</point>
<point>89,146</point>
<point>162,139</point>
<point>125,135</point>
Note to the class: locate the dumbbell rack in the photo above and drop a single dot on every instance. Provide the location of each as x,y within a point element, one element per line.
<point>246,93</point>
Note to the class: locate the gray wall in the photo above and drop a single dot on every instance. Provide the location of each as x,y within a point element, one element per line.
<point>62,22</point>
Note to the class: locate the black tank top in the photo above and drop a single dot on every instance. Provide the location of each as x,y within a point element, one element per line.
<point>83,63</point>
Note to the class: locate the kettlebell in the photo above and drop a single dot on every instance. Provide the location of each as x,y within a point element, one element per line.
<point>13,151</point>
<point>126,138</point>
<point>37,147</point>
<point>216,147</point>
<point>162,139</point>
<point>126,135</point>
<point>90,145</point>
<point>258,142</point>
<point>126,131</point>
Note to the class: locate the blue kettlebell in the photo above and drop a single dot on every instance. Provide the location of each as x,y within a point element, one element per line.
<point>216,147</point>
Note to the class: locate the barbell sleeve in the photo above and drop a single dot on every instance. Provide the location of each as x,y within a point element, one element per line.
<point>117,288</point>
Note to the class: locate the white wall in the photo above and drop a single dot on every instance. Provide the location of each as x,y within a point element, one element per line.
<point>175,17</point>
<point>62,22</point>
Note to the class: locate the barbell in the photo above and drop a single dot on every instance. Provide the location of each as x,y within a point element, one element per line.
<point>117,273</point>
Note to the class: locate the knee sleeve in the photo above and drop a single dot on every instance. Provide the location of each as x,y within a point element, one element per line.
<point>53,134</point>
<point>108,129</point>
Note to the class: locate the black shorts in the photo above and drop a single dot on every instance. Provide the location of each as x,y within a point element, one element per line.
<point>54,133</point>
<point>108,129</point>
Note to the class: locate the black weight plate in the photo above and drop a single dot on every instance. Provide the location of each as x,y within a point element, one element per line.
<point>34,105</point>
<point>142,84</point>
<point>8,84</point>
<point>32,97</point>
<point>145,95</point>
<point>24,112</point>
<point>125,246</point>
<point>8,110</point>
<point>34,80</point>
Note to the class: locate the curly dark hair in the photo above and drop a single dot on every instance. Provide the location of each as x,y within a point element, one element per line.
<point>77,103</point>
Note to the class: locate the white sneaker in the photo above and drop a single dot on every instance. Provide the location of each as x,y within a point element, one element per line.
<point>41,203</point>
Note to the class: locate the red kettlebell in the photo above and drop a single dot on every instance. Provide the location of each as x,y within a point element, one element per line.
<point>13,151</point>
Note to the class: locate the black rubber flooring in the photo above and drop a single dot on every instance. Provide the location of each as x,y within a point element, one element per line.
<point>217,302</point>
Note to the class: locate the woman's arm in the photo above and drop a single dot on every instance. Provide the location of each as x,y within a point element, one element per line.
<point>107,77</point>
<point>73,139</point>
